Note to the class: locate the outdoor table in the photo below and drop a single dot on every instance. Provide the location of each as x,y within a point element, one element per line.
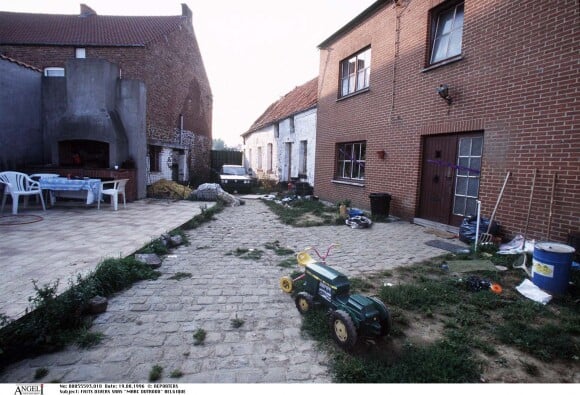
<point>72,188</point>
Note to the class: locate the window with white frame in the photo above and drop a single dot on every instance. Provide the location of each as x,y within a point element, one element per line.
<point>355,73</point>
<point>54,72</point>
<point>446,32</point>
<point>467,176</point>
<point>350,161</point>
<point>80,53</point>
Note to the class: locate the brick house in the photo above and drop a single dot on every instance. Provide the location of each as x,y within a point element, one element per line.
<point>159,51</point>
<point>280,145</point>
<point>434,102</point>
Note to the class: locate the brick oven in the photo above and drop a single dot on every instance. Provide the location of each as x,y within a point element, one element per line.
<point>95,120</point>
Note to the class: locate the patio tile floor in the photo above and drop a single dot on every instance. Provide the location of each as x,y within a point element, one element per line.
<point>67,240</point>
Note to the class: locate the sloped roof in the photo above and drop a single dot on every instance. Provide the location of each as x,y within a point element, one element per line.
<point>363,16</point>
<point>86,29</point>
<point>19,63</point>
<point>301,98</point>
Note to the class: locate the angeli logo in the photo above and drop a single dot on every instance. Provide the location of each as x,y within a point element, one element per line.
<point>29,389</point>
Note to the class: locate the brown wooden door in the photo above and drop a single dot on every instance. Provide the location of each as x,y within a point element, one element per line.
<point>450,177</point>
<point>437,181</point>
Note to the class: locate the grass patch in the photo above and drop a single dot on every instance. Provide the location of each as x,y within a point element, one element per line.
<point>288,262</point>
<point>278,250</point>
<point>157,247</point>
<point>305,213</point>
<point>441,362</point>
<point>175,374</point>
<point>155,373</point>
<point>40,373</point>
<point>467,325</point>
<point>199,337</point>
<point>206,215</point>
<point>237,322</point>
<point>247,253</point>
<point>180,276</point>
<point>86,339</point>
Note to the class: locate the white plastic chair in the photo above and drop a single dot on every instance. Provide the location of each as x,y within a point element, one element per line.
<point>19,184</point>
<point>118,188</point>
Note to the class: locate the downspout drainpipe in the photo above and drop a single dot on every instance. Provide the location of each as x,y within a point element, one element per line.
<point>180,129</point>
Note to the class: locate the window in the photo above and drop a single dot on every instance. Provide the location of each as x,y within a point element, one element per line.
<point>447,32</point>
<point>54,71</point>
<point>259,158</point>
<point>355,73</point>
<point>80,53</point>
<point>292,125</point>
<point>350,162</point>
<point>276,130</point>
<point>154,158</point>
<point>467,176</point>
<point>303,157</point>
<point>269,154</point>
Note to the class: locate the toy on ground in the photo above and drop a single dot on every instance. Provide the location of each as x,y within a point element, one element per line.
<point>357,220</point>
<point>350,316</point>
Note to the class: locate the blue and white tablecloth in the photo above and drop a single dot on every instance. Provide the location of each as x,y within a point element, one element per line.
<point>91,185</point>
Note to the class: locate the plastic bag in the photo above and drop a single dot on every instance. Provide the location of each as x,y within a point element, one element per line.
<point>468,228</point>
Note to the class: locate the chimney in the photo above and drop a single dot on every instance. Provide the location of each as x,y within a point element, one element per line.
<point>186,12</point>
<point>87,11</point>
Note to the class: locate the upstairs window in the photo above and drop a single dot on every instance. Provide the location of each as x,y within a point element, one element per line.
<point>447,32</point>
<point>80,53</point>
<point>355,73</point>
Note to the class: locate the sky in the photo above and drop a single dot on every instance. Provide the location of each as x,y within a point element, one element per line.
<point>254,51</point>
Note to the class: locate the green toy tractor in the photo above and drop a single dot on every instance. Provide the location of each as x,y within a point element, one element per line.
<point>350,316</point>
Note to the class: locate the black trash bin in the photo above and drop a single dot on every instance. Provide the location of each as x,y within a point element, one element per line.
<point>380,205</point>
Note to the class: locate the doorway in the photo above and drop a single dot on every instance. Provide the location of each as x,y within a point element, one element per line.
<point>451,167</point>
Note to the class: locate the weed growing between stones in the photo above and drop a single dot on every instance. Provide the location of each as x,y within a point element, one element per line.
<point>199,337</point>
<point>155,373</point>
<point>237,322</point>
<point>40,373</point>
<point>180,276</point>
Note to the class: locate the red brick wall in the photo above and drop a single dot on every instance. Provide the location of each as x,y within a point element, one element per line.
<point>518,82</point>
<point>173,71</point>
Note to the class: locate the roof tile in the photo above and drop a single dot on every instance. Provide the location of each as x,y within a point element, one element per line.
<point>300,99</point>
<point>86,30</point>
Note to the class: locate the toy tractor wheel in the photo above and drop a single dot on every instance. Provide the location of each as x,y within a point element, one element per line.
<point>304,302</point>
<point>286,284</point>
<point>343,329</point>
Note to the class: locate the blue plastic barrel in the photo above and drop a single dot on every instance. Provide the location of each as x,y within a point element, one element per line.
<point>551,266</point>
